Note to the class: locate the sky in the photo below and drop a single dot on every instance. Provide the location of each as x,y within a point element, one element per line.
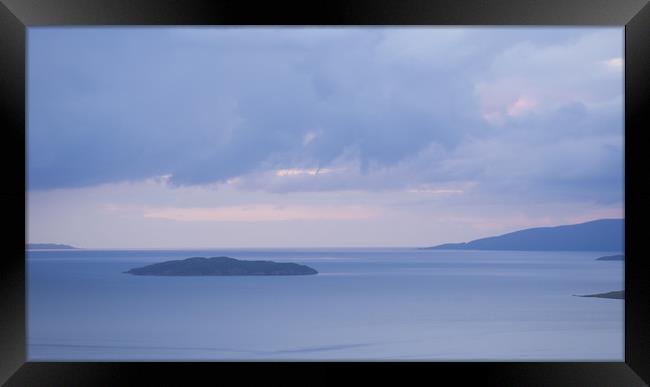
<point>319,137</point>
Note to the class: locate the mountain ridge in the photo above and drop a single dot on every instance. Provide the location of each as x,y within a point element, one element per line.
<point>595,235</point>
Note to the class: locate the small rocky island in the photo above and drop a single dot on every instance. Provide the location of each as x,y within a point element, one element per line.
<point>221,266</point>
<point>617,295</point>
<point>619,257</point>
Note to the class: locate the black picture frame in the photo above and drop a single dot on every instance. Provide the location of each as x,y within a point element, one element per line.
<point>17,15</point>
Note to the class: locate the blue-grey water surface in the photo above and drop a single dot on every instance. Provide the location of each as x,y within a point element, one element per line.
<point>365,304</point>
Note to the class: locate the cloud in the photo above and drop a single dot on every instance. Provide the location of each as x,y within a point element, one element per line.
<point>520,113</point>
<point>112,105</point>
<point>520,106</point>
<point>259,213</point>
<point>614,64</point>
<point>113,215</point>
<point>552,75</point>
<point>302,171</point>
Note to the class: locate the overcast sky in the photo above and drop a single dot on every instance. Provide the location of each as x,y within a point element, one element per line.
<point>281,137</point>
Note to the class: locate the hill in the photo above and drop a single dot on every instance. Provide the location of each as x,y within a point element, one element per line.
<point>597,235</point>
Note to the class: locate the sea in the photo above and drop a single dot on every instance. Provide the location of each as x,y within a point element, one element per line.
<point>365,304</point>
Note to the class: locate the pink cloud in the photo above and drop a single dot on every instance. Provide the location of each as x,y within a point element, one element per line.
<point>495,113</point>
<point>259,213</point>
<point>521,106</point>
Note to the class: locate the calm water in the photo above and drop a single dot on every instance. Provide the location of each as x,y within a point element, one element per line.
<point>365,304</point>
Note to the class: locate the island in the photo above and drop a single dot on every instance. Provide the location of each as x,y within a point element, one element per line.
<point>619,257</point>
<point>596,235</point>
<point>221,266</point>
<point>49,246</point>
<point>620,294</point>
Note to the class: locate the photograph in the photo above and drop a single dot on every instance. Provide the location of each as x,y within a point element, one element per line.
<point>325,193</point>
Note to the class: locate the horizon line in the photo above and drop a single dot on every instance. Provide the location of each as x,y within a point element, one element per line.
<point>232,247</point>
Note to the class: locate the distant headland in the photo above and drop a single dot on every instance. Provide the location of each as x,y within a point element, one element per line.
<point>597,235</point>
<point>619,257</point>
<point>221,266</point>
<point>49,246</point>
<point>620,295</point>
